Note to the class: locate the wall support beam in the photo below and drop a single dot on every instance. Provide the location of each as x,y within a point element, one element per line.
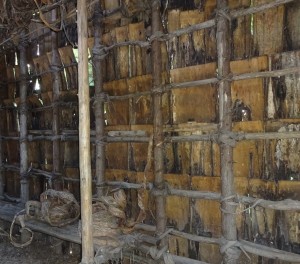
<point>158,121</point>
<point>56,84</point>
<point>99,101</point>
<point>229,230</point>
<point>84,136</point>
<point>1,169</point>
<point>23,120</point>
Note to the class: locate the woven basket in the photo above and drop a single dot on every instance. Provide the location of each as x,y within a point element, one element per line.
<point>59,208</point>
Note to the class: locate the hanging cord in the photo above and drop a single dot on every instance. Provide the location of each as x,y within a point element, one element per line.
<point>45,21</point>
<point>21,217</point>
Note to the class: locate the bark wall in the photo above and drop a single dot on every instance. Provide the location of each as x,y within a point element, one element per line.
<point>261,168</point>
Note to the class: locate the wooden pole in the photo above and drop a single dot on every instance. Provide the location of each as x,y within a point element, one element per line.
<point>84,136</point>
<point>99,102</point>
<point>229,229</point>
<point>23,120</point>
<point>158,122</point>
<point>56,81</point>
<point>1,170</point>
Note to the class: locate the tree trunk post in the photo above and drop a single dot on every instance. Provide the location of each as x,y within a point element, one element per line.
<point>23,120</point>
<point>99,102</point>
<point>84,136</point>
<point>229,229</point>
<point>158,122</point>
<point>55,65</point>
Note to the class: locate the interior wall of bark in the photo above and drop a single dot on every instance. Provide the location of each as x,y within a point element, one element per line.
<point>263,168</point>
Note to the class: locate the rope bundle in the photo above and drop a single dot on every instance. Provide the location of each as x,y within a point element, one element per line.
<point>110,224</point>
<point>58,208</point>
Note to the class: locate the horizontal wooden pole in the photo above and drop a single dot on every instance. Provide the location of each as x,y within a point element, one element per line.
<point>204,25</point>
<point>283,205</point>
<point>268,252</point>
<point>183,85</point>
<point>177,259</point>
<point>67,233</point>
<point>249,247</point>
<point>214,137</point>
<point>196,27</point>
<point>201,239</point>
<point>32,171</point>
<point>190,84</point>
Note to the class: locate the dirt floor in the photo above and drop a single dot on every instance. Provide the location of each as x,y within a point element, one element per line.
<point>42,250</point>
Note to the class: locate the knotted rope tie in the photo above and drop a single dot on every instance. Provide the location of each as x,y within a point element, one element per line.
<point>56,137</point>
<point>25,174</point>
<point>23,108</point>
<point>229,200</point>
<point>228,138</point>
<point>160,36</point>
<point>232,249</point>
<point>224,13</point>
<point>23,139</point>
<point>55,68</point>
<point>99,52</point>
<point>163,190</point>
<point>102,97</point>
<point>157,90</point>
<point>234,200</point>
<point>101,185</point>
<point>227,78</point>
<point>101,142</point>
<point>157,254</point>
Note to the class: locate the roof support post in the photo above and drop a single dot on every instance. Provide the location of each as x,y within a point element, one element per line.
<point>84,136</point>
<point>23,120</point>
<point>158,122</point>
<point>56,84</point>
<point>99,101</point>
<point>229,230</point>
<point>1,169</point>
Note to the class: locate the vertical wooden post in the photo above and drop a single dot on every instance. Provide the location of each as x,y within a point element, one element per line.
<point>1,169</point>
<point>158,121</point>
<point>56,84</point>
<point>84,136</point>
<point>99,101</point>
<point>229,230</point>
<point>23,120</point>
